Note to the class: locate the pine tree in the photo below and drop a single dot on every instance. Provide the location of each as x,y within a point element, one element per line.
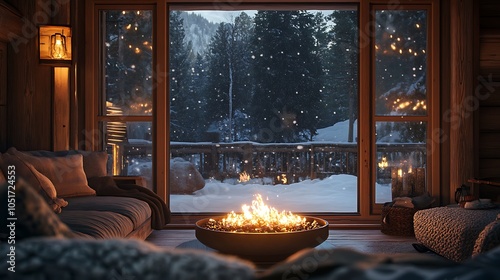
<point>182,109</point>
<point>341,63</point>
<point>287,69</point>
<point>229,90</point>
<point>129,61</point>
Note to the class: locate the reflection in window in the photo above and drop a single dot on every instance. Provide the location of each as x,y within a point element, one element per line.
<point>127,48</point>
<point>400,90</point>
<point>401,62</point>
<point>401,160</point>
<point>126,52</point>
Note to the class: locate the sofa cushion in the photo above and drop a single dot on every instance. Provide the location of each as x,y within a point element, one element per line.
<point>98,224</point>
<point>136,210</point>
<point>451,231</point>
<point>34,217</point>
<point>34,179</point>
<point>66,173</point>
<point>94,163</point>
<point>488,239</point>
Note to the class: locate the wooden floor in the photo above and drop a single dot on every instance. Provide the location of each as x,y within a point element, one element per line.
<point>368,241</point>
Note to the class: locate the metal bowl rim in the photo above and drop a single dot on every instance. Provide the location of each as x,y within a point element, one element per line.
<point>198,226</point>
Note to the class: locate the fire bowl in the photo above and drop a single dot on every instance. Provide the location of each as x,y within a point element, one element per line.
<point>262,247</point>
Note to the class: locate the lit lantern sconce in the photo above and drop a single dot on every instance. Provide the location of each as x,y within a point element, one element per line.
<point>54,45</point>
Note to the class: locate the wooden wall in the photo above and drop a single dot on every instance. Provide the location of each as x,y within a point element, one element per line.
<point>34,119</point>
<point>488,91</point>
<point>3,95</point>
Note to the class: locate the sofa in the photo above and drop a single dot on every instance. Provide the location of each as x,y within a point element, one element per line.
<point>75,186</point>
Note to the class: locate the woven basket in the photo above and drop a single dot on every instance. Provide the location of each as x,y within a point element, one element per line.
<point>397,220</point>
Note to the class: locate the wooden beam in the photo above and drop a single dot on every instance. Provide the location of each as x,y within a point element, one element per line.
<point>61,109</point>
<point>462,84</point>
<point>3,96</point>
<point>10,23</point>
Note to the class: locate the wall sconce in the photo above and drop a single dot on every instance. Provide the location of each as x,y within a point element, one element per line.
<point>54,44</point>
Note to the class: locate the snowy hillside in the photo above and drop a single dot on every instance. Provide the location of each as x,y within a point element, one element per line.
<point>198,30</point>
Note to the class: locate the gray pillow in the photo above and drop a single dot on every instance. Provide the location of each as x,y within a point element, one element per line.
<point>34,216</point>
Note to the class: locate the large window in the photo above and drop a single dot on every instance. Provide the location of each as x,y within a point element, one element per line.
<point>324,108</point>
<point>401,100</point>
<point>265,101</point>
<point>126,96</point>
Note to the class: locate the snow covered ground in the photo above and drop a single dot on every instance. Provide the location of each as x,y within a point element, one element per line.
<point>337,193</point>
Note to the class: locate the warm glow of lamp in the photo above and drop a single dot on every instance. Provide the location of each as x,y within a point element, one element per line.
<point>54,44</point>
<point>58,46</point>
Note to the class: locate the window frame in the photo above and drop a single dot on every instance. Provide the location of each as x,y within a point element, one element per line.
<point>368,212</point>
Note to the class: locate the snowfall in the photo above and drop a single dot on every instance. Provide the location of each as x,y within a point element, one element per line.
<point>337,193</point>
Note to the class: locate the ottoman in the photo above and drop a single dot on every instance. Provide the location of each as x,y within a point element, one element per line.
<point>450,231</point>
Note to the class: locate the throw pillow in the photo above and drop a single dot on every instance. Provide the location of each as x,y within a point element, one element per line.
<point>488,239</point>
<point>35,179</point>
<point>94,163</point>
<point>34,217</point>
<point>66,173</point>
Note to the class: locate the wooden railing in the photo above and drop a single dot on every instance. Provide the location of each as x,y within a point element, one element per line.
<point>297,160</point>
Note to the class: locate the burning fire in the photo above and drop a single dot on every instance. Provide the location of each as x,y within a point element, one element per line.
<point>260,218</point>
<point>244,177</point>
<point>282,178</point>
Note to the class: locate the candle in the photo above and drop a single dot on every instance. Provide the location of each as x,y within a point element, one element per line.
<point>420,181</point>
<point>396,182</point>
<point>408,183</point>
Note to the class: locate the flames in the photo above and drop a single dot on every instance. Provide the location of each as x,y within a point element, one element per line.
<point>261,218</point>
<point>244,177</point>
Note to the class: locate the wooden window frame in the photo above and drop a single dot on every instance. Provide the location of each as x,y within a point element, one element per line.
<point>368,212</point>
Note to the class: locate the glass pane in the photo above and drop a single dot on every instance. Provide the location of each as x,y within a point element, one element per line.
<point>401,160</point>
<point>127,46</point>
<point>401,62</point>
<point>264,102</point>
<point>130,147</point>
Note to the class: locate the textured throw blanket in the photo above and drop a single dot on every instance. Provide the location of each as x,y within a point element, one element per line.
<point>106,186</point>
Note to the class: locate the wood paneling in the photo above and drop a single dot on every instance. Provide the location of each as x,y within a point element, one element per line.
<point>490,14</point>
<point>61,109</point>
<point>10,23</point>
<point>488,168</point>
<point>489,119</point>
<point>489,56</point>
<point>488,90</point>
<point>29,87</point>
<point>3,74</point>
<point>462,30</point>
<point>489,94</point>
<point>489,145</point>
<point>3,96</point>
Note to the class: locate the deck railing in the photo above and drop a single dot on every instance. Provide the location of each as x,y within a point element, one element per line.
<point>295,160</point>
